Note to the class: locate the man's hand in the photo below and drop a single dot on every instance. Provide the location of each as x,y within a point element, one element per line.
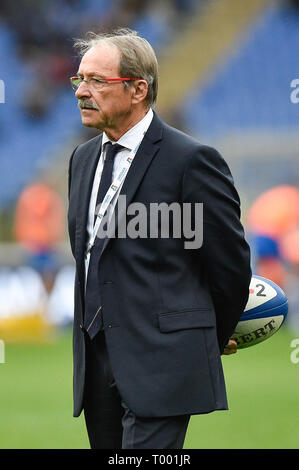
<point>230,348</point>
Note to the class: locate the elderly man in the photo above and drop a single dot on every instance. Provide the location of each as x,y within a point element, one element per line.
<point>152,314</point>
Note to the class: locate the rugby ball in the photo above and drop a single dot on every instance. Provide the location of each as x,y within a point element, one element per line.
<point>265,312</point>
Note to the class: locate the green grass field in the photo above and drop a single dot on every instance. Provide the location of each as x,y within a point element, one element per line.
<point>262,385</point>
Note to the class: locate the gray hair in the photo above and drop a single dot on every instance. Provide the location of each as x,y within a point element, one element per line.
<point>137,57</point>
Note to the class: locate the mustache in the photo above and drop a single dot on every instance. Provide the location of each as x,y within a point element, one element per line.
<point>87,104</point>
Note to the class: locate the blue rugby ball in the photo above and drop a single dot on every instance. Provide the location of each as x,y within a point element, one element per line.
<point>265,312</point>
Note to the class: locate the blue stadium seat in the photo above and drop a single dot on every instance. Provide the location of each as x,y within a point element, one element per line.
<point>26,144</point>
<point>251,89</point>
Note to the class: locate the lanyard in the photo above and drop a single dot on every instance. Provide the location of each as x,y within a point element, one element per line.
<point>110,195</point>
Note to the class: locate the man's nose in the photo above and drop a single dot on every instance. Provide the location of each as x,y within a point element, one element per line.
<point>82,91</point>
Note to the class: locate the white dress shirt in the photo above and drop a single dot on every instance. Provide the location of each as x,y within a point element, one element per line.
<point>129,141</point>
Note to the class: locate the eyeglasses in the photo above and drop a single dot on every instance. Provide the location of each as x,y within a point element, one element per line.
<point>97,83</point>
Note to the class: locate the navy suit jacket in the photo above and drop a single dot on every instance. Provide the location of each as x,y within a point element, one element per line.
<point>167,311</point>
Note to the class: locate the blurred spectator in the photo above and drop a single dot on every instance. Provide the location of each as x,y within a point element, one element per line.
<point>275,211</point>
<point>39,218</point>
<point>46,264</point>
<point>39,226</point>
<point>268,262</point>
<point>273,221</point>
<point>289,246</point>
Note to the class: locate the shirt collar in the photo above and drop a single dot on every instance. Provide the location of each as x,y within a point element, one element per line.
<point>134,135</point>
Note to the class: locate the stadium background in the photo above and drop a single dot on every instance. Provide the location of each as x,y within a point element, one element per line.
<point>227,71</point>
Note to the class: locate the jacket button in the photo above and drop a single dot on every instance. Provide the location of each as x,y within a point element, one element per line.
<point>81,326</point>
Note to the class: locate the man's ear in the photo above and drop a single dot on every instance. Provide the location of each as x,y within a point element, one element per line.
<point>140,88</point>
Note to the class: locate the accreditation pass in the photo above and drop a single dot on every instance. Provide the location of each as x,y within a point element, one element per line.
<point>155,459</point>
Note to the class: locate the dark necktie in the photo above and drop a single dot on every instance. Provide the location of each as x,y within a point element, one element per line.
<point>93,316</point>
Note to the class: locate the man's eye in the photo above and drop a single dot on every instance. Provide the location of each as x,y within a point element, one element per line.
<point>96,80</point>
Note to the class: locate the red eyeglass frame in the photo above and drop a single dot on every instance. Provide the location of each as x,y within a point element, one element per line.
<point>102,80</point>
